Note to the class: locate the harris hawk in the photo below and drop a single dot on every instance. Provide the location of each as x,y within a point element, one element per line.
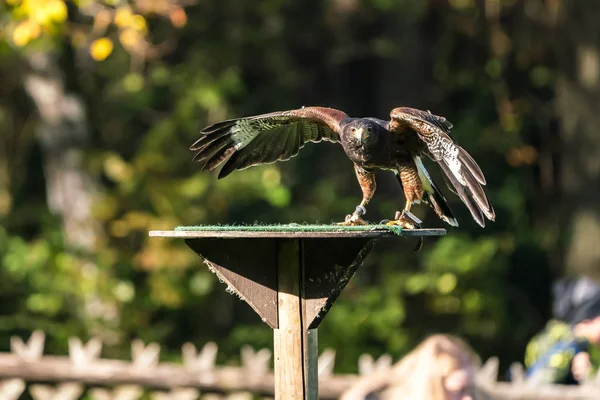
<point>397,145</point>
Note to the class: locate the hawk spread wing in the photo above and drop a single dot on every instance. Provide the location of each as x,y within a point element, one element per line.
<point>265,138</point>
<point>462,172</point>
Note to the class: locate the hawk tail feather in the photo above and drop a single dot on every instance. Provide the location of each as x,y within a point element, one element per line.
<point>468,161</point>
<point>471,193</point>
<point>433,196</point>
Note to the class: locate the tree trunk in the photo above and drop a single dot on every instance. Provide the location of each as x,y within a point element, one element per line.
<point>63,132</point>
<point>578,105</point>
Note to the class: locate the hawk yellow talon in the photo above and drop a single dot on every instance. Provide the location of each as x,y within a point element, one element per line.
<point>402,223</point>
<point>352,220</point>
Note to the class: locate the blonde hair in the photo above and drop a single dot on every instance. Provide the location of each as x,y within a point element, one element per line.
<point>420,374</point>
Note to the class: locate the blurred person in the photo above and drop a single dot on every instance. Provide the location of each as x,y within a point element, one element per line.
<point>567,351</point>
<point>442,367</point>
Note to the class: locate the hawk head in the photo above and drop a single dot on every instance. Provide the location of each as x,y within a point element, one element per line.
<point>361,132</point>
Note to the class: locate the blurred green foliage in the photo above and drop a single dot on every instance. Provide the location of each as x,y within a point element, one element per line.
<point>229,58</point>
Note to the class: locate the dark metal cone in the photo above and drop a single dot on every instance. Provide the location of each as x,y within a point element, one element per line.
<point>249,267</point>
<point>328,267</point>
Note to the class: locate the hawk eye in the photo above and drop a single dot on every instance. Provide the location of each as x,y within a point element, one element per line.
<point>369,129</point>
<point>353,129</point>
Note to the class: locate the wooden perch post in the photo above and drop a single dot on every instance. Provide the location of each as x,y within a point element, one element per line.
<point>291,278</point>
<point>292,348</point>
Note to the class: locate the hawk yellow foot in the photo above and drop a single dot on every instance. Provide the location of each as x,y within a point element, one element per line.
<point>352,220</point>
<point>406,220</point>
<point>404,223</point>
<point>355,219</point>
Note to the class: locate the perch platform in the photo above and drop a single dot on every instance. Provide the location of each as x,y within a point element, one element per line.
<point>290,275</point>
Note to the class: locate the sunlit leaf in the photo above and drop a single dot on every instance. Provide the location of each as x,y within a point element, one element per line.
<point>278,196</point>
<point>472,301</point>
<point>124,291</point>
<point>25,32</point>
<point>117,169</point>
<point>164,291</point>
<point>123,17</point>
<point>446,283</point>
<point>44,303</point>
<point>138,23</point>
<point>271,177</point>
<point>130,38</point>
<point>133,82</point>
<point>138,220</point>
<point>56,10</point>
<point>119,228</point>
<point>201,283</point>
<point>100,49</point>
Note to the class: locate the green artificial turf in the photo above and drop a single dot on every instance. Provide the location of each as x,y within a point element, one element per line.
<point>291,228</point>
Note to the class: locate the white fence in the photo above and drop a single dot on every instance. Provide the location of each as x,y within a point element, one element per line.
<point>83,371</point>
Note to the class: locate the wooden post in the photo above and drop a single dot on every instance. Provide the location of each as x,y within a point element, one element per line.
<point>295,352</point>
<point>311,363</point>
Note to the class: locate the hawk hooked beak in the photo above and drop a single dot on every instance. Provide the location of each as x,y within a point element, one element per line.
<point>360,135</point>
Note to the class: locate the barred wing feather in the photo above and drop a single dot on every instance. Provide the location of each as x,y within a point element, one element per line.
<point>266,138</point>
<point>464,175</point>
